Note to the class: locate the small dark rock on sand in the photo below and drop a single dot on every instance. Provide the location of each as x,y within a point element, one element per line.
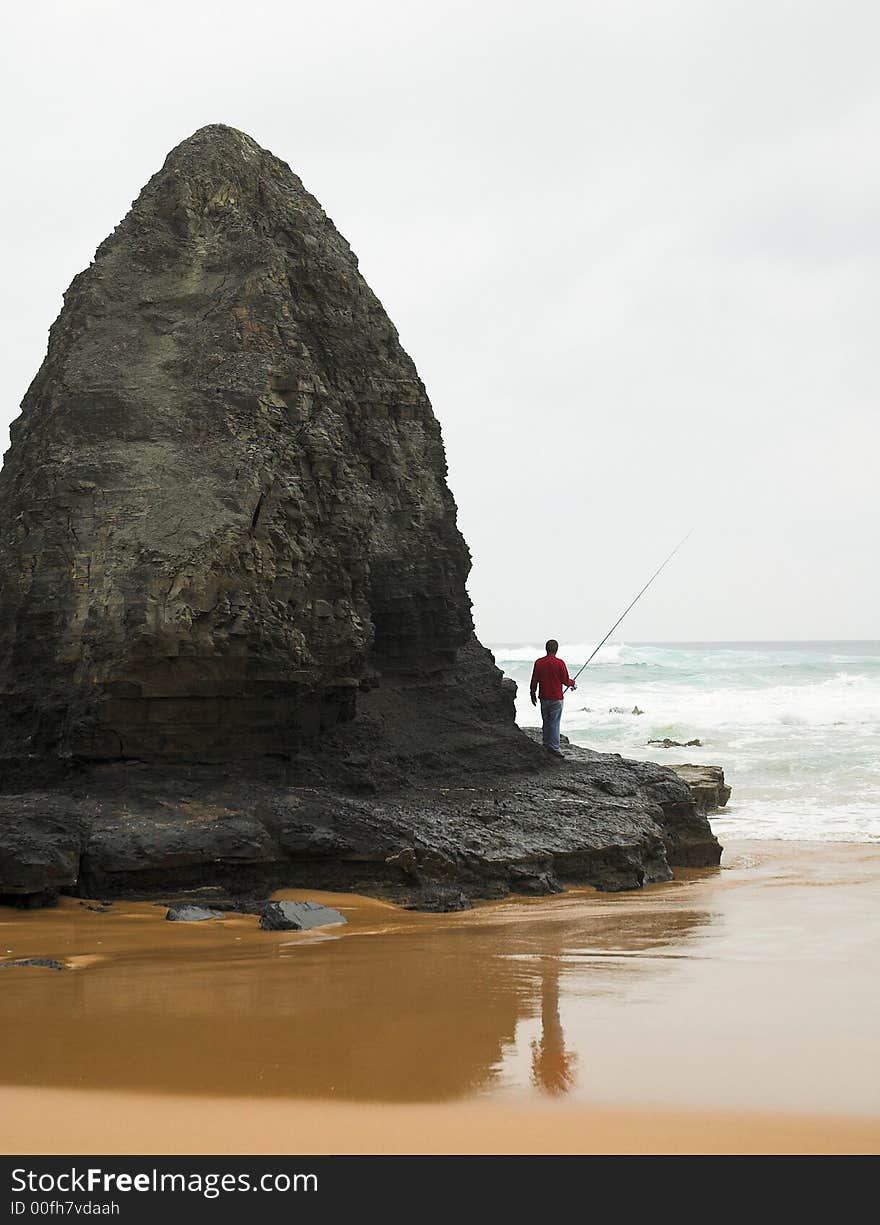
<point>191,914</point>
<point>47,963</point>
<point>297,916</point>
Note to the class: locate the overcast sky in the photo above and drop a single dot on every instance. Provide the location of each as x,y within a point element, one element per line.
<point>633,248</point>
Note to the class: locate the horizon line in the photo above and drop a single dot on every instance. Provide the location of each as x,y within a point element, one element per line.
<point>699,641</point>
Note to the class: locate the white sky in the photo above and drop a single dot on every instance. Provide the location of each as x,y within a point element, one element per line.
<point>633,248</point>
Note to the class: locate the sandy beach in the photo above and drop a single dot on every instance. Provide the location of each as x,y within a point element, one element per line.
<point>109,1123</point>
<point>731,1010</point>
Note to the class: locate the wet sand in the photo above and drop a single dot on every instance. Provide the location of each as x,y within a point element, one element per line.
<point>728,1011</point>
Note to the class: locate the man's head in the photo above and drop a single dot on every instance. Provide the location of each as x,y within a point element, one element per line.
<point>551,646</point>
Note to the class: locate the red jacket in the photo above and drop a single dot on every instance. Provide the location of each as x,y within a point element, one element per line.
<point>550,673</point>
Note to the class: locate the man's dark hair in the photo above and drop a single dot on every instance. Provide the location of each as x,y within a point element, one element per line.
<point>551,646</point>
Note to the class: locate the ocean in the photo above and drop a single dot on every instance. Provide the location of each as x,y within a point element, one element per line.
<point>795,725</point>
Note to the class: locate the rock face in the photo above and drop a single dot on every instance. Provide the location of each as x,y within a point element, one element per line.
<point>41,838</point>
<point>236,648</point>
<point>224,509</point>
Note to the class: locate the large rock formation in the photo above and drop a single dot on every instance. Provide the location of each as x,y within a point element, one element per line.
<point>232,589</point>
<point>225,505</point>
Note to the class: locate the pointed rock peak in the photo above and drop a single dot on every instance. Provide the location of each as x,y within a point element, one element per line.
<point>219,134</point>
<point>220,165</point>
<point>217,142</point>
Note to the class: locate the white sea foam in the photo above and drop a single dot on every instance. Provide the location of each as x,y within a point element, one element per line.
<point>842,700</point>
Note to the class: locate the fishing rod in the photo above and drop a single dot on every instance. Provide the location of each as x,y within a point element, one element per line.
<point>635,601</point>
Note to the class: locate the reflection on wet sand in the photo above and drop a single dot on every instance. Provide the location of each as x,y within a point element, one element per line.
<point>393,1007</point>
<point>553,1067</point>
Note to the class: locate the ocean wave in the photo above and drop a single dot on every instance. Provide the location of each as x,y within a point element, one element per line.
<point>846,699</point>
<point>699,659</point>
<point>799,817</point>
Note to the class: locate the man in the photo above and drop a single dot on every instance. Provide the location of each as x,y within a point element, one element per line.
<point>548,677</point>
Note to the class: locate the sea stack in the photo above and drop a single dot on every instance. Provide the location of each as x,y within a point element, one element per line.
<point>236,648</point>
<point>224,512</point>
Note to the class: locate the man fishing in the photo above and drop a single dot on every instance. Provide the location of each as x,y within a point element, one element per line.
<point>549,675</point>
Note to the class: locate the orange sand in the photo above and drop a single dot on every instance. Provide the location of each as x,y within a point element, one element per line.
<point>727,1011</point>
<point>70,1121</point>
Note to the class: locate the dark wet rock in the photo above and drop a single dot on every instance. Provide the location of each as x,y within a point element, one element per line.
<point>40,841</point>
<point>236,646</point>
<point>38,900</point>
<point>217,900</point>
<point>666,743</point>
<point>439,899</point>
<point>101,908</point>
<point>422,864</point>
<point>611,783</point>
<point>45,963</point>
<point>174,842</point>
<point>533,879</point>
<point>595,819</point>
<point>191,914</point>
<point>297,916</point>
<point>707,786</point>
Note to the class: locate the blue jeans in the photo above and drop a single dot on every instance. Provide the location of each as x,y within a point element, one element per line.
<point>551,717</point>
